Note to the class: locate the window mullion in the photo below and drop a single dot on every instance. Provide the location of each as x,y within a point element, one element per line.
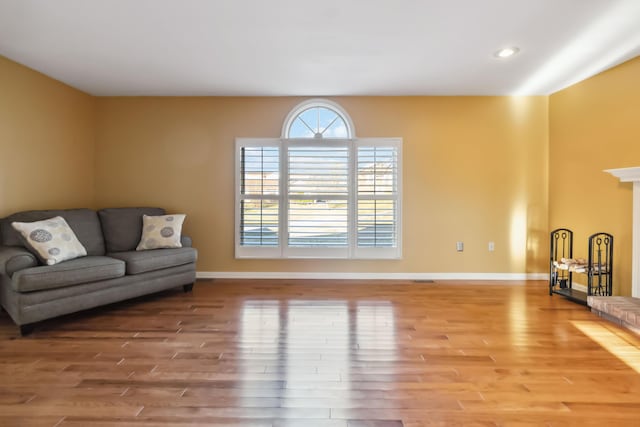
<point>284,197</point>
<point>353,199</point>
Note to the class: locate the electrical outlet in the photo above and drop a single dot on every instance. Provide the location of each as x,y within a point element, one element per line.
<point>459,246</point>
<point>492,246</point>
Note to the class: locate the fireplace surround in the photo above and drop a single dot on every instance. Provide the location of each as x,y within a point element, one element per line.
<point>633,175</point>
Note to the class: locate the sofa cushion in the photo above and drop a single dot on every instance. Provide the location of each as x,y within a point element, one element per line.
<point>122,227</point>
<point>83,222</point>
<point>68,273</point>
<point>155,259</point>
<point>52,240</point>
<point>120,285</point>
<point>161,232</point>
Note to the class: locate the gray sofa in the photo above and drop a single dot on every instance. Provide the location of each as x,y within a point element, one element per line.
<point>112,270</point>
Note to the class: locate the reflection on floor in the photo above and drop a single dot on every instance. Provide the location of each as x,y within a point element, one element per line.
<point>306,341</point>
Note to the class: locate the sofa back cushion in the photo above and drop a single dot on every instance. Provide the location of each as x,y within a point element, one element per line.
<point>122,227</point>
<point>84,223</point>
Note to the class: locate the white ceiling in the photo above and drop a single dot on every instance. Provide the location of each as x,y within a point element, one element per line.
<point>319,48</point>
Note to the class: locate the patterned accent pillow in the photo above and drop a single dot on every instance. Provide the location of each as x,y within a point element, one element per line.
<point>51,239</point>
<point>161,232</point>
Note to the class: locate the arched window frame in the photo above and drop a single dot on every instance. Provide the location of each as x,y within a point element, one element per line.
<point>313,103</point>
<point>266,196</point>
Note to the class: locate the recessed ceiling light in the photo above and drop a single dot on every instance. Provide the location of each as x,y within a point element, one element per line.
<point>506,52</point>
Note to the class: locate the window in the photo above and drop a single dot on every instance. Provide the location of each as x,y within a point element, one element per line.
<point>318,192</point>
<point>318,118</point>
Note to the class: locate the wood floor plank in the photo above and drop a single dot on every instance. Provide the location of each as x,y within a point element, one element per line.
<point>30,421</point>
<point>273,353</point>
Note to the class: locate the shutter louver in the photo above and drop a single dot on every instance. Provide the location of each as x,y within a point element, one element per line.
<point>377,196</point>
<point>259,204</point>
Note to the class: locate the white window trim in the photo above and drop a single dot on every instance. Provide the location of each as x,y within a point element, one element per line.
<point>379,252</point>
<point>317,102</point>
<point>253,251</point>
<point>352,251</point>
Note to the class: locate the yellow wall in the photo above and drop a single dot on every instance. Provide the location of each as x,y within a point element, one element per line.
<point>595,125</point>
<point>46,142</point>
<point>475,169</point>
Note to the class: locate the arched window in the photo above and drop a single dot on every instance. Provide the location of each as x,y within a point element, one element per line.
<point>318,191</point>
<point>318,118</point>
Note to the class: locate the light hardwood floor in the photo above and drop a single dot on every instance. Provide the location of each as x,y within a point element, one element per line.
<point>325,353</point>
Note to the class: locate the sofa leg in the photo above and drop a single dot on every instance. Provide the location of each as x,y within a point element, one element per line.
<point>26,329</point>
<point>188,288</point>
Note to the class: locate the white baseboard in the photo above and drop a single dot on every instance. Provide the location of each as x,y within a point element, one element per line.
<point>368,276</point>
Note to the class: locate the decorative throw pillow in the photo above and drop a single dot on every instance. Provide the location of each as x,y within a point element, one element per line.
<point>161,232</point>
<point>51,239</point>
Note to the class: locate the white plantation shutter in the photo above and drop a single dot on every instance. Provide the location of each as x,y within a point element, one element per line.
<point>315,198</point>
<point>377,198</point>
<point>258,198</point>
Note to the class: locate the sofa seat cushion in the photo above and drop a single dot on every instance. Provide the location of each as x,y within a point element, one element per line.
<point>68,273</point>
<point>155,259</point>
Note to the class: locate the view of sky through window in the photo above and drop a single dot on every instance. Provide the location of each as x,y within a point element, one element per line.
<point>318,122</point>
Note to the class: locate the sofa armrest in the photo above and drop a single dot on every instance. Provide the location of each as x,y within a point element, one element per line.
<point>186,241</point>
<point>14,258</point>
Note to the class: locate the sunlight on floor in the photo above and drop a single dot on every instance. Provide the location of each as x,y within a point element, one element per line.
<point>518,319</point>
<point>624,346</point>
